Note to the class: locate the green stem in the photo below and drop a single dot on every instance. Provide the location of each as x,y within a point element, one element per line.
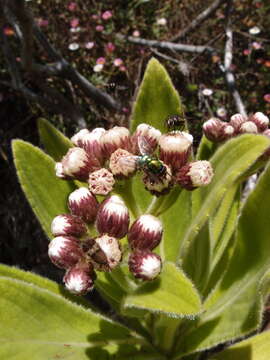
<point>161,204</point>
<point>124,189</point>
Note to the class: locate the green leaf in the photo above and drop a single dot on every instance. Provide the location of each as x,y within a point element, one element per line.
<point>157,98</point>
<point>234,309</point>
<point>39,324</point>
<point>171,294</point>
<point>206,149</point>
<point>229,162</point>
<point>46,193</point>
<point>175,222</point>
<point>254,348</point>
<point>55,143</point>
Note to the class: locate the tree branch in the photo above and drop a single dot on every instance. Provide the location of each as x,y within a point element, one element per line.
<point>204,15</point>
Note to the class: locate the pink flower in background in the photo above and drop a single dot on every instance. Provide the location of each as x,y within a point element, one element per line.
<point>266,98</point>
<point>110,47</point>
<point>89,45</point>
<point>260,61</point>
<point>122,68</point>
<point>101,60</point>
<point>74,23</point>
<point>42,22</point>
<point>247,52</point>
<point>256,45</point>
<point>136,33</point>
<point>72,6</point>
<point>8,31</point>
<point>117,62</point>
<point>99,28</point>
<point>106,15</point>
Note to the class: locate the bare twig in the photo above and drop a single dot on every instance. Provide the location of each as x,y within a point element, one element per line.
<point>168,45</point>
<point>228,56</point>
<point>182,65</point>
<point>204,15</point>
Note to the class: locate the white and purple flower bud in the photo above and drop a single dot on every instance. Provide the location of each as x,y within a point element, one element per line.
<point>195,174</point>
<point>59,171</point>
<point>78,164</point>
<point>145,233</point>
<point>144,265</point>
<point>90,142</point>
<point>266,154</point>
<point>113,217</point>
<point>236,121</point>
<point>149,133</point>
<point>158,184</point>
<point>65,251</point>
<point>228,131</point>
<point>248,127</point>
<point>67,224</point>
<point>175,148</point>
<point>83,203</point>
<point>122,164</point>
<point>261,121</point>
<point>101,182</point>
<point>113,139</point>
<point>80,279</point>
<point>104,252</point>
<point>213,129</point>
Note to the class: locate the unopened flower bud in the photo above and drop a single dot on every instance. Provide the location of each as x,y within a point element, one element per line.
<point>122,163</point>
<point>65,251</point>
<point>261,121</point>
<point>113,139</point>
<point>213,129</point>
<point>195,174</point>
<point>175,148</point>
<point>266,154</point>
<point>101,182</point>
<point>59,171</point>
<point>158,184</point>
<point>149,133</point>
<point>145,233</point>
<point>90,142</point>
<point>236,121</point>
<point>113,217</point>
<point>83,204</point>
<point>67,224</point>
<point>144,265</point>
<point>104,252</point>
<point>80,279</point>
<point>248,127</point>
<point>78,164</point>
<point>228,131</point>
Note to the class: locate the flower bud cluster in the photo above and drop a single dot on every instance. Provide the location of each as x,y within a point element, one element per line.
<point>103,157</point>
<point>218,131</point>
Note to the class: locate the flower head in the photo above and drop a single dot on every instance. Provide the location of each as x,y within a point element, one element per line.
<point>116,137</point>
<point>144,265</point>
<point>65,251</point>
<point>195,174</point>
<point>158,184</point>
<point>148,134</point>
<point>122,164</point>
<point>80,279</point>
<point>68,225</point>
<point>101,182</point>
<point>106,15</point>
<point>83,204</point>
<point>261,121</point>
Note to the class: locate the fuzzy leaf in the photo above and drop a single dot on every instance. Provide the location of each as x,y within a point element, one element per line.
<point>234,309</point>
<point>229,162</point>
<point>46,193</point>
<point>254,348</point>
<point>171,294</point>
<point>42,325</point>
<point>157,98</point>
<point>206,149</point>
<point>55,143</point>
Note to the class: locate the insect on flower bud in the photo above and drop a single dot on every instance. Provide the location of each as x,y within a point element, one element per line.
<point>90,142</point>
<point>158,184</point>
<point>248,127</point>
<point>113,139</point>
<point>68,225</point>
<point>83,204</point>
<point>195,174</point>
<point>80,279</point>
<point>145,233</point>
<point>101,182</point>
<point>78,164</point>
<point>261,121</point>
<point>65,251</point>
<point>236,121</point>
<point>149,133</point>
<point>144,265</point>
<point>104,252</point>
<point>213,129</point>
<point>122,163</point>
<point>113,217</point>
<point>174,148</point>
